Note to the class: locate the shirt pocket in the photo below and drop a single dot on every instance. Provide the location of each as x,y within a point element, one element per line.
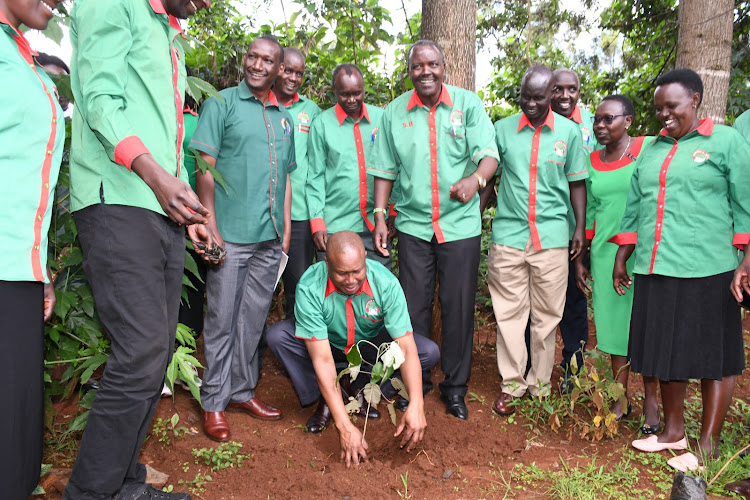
<point>454,139</point>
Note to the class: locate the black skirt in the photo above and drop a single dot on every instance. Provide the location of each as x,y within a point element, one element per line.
<point>683,328</point>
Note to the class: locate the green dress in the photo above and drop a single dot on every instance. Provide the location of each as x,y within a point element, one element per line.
<point>607,192</point>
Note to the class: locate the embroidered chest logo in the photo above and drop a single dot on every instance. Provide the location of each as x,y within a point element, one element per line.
<point>560,148</point>
<point>285,125</point>
<point>303,117</point>
<point>374,135</point>
<point>586,134</point>
<point>303,122</point>
<point>408,124</point>
<point>457,117</point>
<point>700,156</point>
<point>372,308</point>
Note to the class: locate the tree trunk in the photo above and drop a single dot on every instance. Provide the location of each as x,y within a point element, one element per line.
<point>452,24</point>
<point>704,44</point>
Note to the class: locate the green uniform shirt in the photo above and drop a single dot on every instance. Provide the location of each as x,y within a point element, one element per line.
<point>533,199</point>
<point>742,125</point>
<point>427,151</point>
<point>303,112</point>
<point>339,191</point>
<point>128,79</point>
<point>689,203</point>
<point>32,134</point>
<point>323,312</point>
<point>190,120</point>
<point>254,149</point>
<point>585,121</point>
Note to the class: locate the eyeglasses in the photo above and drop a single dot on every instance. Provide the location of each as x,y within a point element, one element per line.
<point>608,119</point>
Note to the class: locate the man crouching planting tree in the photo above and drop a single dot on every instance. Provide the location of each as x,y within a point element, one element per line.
<point>340,302</point>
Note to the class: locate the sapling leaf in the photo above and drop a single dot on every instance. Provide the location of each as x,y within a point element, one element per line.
<point>353,406</point>
<point>399,386</point>
<point>355,361</point>
<point>342,373</point>
<point>372,393</point>
<point>392,413</point>
<point>377,372</point>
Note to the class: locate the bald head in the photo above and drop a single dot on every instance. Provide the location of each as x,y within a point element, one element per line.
<point>345,259</point>
<point>536,93</point>
<point>566,88</point>
<point>537,75</point>
<point>345,242</point>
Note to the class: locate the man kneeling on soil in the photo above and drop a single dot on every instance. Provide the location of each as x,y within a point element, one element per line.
<point>340,302</point>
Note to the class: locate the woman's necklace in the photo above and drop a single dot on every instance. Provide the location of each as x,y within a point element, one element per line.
<point>627,148</point>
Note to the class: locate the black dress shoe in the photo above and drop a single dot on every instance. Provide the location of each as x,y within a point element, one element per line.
<point>740,487</point>
<point>454,405</point>
<point>320,419</point>
<point>401,404</point>
<point>146,492</point>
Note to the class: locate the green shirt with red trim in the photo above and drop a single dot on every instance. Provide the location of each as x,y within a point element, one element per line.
<point>253,144</point>
<point>585,121</point>
<point>32,136</point>
<point>339,189</point>
<point>128,80</point>
<point>689,203</point>
<point>303,111</point>
<point>426,151</point>
<point>742,125</point>
<point>533,199</point>
<point>323,312</point>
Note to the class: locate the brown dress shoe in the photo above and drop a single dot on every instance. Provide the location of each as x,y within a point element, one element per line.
<point>320,419</point>
<point>740,487</point>
<point>502,405</point>
<point>215,426</point>
<point>258,409</point>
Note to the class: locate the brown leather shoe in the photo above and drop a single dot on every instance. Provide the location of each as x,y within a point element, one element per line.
<point>740,487</point>
<point>258,409</point>
<point>502,405</point>
<point>320,419</point>
<point>215,426</point>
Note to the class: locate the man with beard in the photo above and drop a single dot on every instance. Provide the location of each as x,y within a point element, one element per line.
<point>248,138</point>
<point>130,201</point>
<point>339,189</point>
<point>574,326</point>
<point>438,144</point>
<point>303,111</point>
<point>543,174</point>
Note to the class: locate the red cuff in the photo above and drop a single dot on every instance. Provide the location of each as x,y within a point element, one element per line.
<point>740,240</point>
<point>128,150</point>
<point>317,224</point>
<point>393,210</point>
<point>590,234</point>
<point>624,239</point>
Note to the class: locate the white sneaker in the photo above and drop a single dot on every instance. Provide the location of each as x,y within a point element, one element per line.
<point>165,392</point>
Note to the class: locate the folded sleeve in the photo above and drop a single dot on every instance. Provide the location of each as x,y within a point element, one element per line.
<point>384,161</point>
<point>480,133</point>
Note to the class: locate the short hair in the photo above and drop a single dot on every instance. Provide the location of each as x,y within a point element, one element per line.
<point>627,104</point>
<point>275,41</point>
<point>347,68</point>
<point>294,50</point>
<point>421,43</point>
<point>46,59</point>
<point>538,71</point>
<point>688,78</point>
<point>560,71</point>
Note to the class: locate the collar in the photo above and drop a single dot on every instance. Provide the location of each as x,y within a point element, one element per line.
<point>576,116</point>
<point>292,100</point>
<point>245,93</point>
<point>342,116</point>
<point>4,20</point>
<point>158,8</point>
<point>706,128</point>
<point>365,288</point>
<point>445,98</point>
<point>549,121</point>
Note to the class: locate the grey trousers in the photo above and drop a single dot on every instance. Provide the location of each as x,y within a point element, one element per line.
<point>292,353</point>
<point>238,295</point>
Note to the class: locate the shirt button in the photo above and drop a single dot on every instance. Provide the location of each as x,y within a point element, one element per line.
<point>49,152</point>
<point>271,144</point>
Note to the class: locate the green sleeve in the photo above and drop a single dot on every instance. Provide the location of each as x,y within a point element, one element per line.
<point>209,132</point>
<point>480,134</point>
<point>575,162</point>
<point>384,160</point>
<point>308,313</point>
<point>317,155</point>
<point>592,204</point>
<point>104,41</point>
<point>738,176</point>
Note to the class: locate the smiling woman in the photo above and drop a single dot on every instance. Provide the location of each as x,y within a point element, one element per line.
<point>31,143</point>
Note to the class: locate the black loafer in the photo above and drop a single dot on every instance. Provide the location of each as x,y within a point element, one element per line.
<point>320,419</point>
<point>454,405</point>
<point>647,429</point>
<point>401,404</point>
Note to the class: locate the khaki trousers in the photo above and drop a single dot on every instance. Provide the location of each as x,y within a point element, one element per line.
<point>523,281</point>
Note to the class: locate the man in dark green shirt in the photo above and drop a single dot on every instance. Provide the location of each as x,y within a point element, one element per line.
<point>248,137</point>
<point>130,199</point>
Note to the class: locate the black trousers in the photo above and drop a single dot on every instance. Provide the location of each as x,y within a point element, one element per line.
<point>22,388</point>
<point>133,259</point>
<point>574,326</point>
<point>301,254</point>
<point>456,264</point>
